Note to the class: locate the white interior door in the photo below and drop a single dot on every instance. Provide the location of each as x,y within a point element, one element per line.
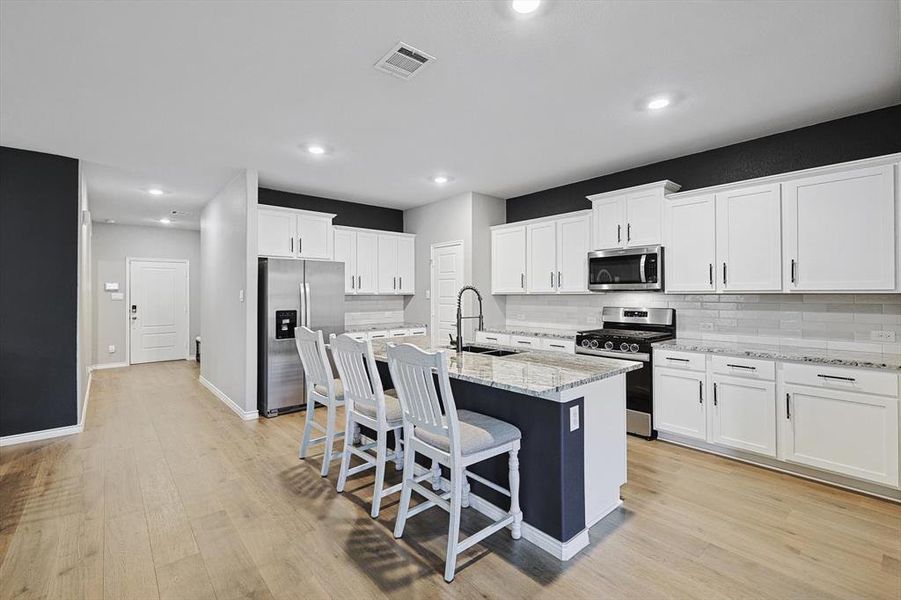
<point>158,310</point>
<point>447,279</point>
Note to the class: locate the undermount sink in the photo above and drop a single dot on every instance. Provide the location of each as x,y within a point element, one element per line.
<point>489,351</point>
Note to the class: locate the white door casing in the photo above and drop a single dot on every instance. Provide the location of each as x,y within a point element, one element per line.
<point>157,310</point>
<point>447,278</point>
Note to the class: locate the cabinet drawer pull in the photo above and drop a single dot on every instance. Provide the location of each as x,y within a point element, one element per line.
<point>836,377</point>
<point>524,343</point>
<point>490,338</point>
<point>741,367</point>
<point>685,360</point>
<point>556,345</point>
<point>788,408</point>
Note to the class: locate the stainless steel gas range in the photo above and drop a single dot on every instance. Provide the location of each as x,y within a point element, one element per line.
<point>628,333</point>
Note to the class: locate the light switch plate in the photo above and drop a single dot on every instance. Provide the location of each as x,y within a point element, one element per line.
<point>573,418</point>
<point>111,286</point>
<point>112,348</point>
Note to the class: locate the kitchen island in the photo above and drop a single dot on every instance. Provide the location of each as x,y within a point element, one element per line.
<point>571,410</point>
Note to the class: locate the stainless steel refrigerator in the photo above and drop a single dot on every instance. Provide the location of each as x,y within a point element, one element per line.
<point>293,293</point>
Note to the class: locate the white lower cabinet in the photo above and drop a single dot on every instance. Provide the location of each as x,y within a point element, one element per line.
<point>679,398</point>
<point>743,414</point>
<point>840,431</point>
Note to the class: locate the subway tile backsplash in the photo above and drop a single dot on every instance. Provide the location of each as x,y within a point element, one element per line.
<point>372,310</point>
<point>838,321</point>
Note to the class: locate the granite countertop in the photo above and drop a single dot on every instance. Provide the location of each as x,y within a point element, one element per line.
<point>558,334</point>
<point>383,326</point>
<point>534,373</point>
<point>824,356</point>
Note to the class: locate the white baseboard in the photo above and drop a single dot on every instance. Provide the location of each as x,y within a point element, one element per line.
<point>45,434</point>
<point>560,550</point>
<point>87,396</point>
<point>117,365</point>
<point>247,415</point>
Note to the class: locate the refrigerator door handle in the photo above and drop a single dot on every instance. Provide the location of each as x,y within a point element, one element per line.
<point>309,303</point>
<point>302,318</point>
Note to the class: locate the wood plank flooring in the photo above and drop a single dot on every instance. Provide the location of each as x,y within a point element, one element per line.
<point>167,494</point>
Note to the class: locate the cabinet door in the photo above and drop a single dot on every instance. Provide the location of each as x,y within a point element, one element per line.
<point>608,215</point>
<point>275,233</point>
<point>744,414</point>
<point>387,264</point>
<point>643,217</point>
<point>508,260</point>
<point>839,231</point>
<point>843,432</point>
<point>313,235</point>
<point>541,251</point>
<point>689,244</point>
<point>573,242</point>
<point>406,249</point>
<point>367,262</point>
<point>346,252</point>
<point>749,239</point>
<point>679,398</point>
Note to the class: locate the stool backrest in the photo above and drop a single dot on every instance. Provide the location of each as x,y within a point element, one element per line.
<point>359,374</point>
<point>317,368</point>
<point>412,373</point>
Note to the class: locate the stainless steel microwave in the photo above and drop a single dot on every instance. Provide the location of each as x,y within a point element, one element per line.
<point>639,268</point>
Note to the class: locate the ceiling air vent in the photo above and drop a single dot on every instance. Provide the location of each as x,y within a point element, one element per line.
<point>404,61</point>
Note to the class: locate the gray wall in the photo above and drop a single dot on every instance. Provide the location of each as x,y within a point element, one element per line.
<point>112,244</point>
<point>486,211</point>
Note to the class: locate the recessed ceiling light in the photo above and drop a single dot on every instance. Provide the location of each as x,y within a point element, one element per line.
<point>165,221</point>
<point>525,7</point>
<point>658,103</point>
<point>316,149</point>
<point>155,192</point>
<point>439,179</point>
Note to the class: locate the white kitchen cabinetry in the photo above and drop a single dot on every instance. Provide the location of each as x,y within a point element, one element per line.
<point>743,414</point>
<point>396,254</point>
<point>291,233</point>
<point>358,250</point>
<point>557,254</point>
<point>839,231</point>
<point>749,239</point>
<point>690,244</point>
<point>489,337</point>
<point>541,257</point>
<point>508,260</point>
<point>630,217</point>
<point>558,345</point>
<point>679,397</point>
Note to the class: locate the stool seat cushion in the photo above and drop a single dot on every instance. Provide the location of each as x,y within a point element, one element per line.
<point>478,432</point>
<point>393,412</point>
<point>323,391</point>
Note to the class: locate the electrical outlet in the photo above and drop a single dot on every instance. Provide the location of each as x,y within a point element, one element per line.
<point>112,348</point>
<point>882,336</point>
<point>573,418</point>
<point>707,326</point>
<point>592,320</point>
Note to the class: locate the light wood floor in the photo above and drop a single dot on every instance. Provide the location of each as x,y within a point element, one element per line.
<point>168,494</point>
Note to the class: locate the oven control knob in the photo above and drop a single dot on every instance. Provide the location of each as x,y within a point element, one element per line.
<point>594,343</point>
<point>624,347</point>
<point>633,348</point>
<point>585,343</point>
<point>608,345</point>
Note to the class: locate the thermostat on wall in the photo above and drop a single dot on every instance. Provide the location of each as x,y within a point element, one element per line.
<point>111,287</point>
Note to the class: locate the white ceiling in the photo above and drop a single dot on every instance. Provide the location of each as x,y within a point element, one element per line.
<point>182,94</point>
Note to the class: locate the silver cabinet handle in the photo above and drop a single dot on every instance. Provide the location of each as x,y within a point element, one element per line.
<point>700,392</point>
<point>619,234</point>
<point>352,282</point>
<point>400,283</point>
<point>836,377</point>
<point>299,245</point>
<point>522,280</point>
<point>559,278</point>
<point>793,270</point>
<point>552,279</point>
<point>724,273</point>
<point>788,407</point>
<point>710,271</point>
<point>628,232</point>
<point>714,395</point>
<point>359,281</point>
<point>394,283</point>
<point>292,245</point>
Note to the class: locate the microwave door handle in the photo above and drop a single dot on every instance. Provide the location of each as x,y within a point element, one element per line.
<point>641,269</point>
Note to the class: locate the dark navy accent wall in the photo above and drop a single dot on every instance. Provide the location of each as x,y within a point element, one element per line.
<point>350,214</point>
<point>38,291</point>
<point>860,136</point>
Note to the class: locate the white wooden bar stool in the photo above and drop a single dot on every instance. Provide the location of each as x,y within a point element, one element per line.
<point>367,404</point>
<point>455,439</point>
<point>321,387</point>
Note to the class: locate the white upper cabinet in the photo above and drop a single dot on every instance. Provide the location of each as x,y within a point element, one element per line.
<point>749,239</point>
<point>406,256</point>
<point>690,244</point>
<point>839,231</point>
<point>346,252</point>
<point>276,230</point>
<point>508,260</point>
<point>367,253</point>
<point>630,217</point>
<point>367,262</point>
<point>291,233</point>
<point>573,244</point>
<point>541,253</point>
<point>396,255</point>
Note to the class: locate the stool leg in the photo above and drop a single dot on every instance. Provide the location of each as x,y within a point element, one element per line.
<point>398,451</point>
<point>381,450</point>
<point>514,493</point>
<point>329,439</point>
<point>349,426</point>
<point>406,490</point>
<point>308,427</point>
<point>453,532</point>
<point>464,501</point>
<point>436,475</point>
<point>357,435</point>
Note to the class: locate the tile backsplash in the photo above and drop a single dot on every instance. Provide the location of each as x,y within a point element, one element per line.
<point>373,310</point>
<point>837,321</point>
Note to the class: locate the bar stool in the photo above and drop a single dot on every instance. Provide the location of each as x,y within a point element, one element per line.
<point>455,439</point>
<point>367,404</point>
<point>322,388</point>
